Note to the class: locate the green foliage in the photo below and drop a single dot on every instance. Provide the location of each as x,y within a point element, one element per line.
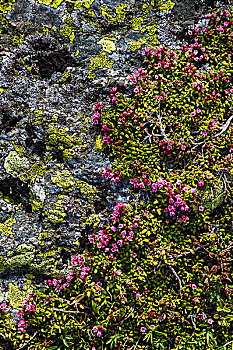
<point>159,275</point>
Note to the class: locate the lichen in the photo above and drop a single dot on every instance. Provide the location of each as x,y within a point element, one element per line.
<point>15,296</point>
<point>107,45</point>
<point>63,179</point>
<point>15,164</point>
<point>6,5</point>
<point>93,220</point>
<point>137,23</point>
<point>86,190</point>
<point>69,29</point>
<point>99,146</point>
<point>167,6</point>
<point>7,226</point>
<point>99,62</point>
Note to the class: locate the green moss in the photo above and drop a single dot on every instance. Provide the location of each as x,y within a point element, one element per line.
<point>15,164</point>
<point>99,146</point>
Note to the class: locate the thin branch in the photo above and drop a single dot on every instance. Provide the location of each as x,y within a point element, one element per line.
<point>137,343</point>
<point>228,343</point>
<point>125,342</point>
<point>225,127</point>
<point>193,323</point>
<point>178,278</point>
<point>162,129</point>
<point>70,312</point>
<point>25,344</point>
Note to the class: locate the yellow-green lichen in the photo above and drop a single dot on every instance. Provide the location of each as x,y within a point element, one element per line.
<point>86,190</point>
<point>58,137</point>
<point>3,263</point>
<point>18,39</point>
<point>56,212</point>
<point>15,296</point>
<point>63,179</point>
<point>136,45</point>
<point>6,5</point>
<point>51,3</point>
<point>7,226</point>
<point>69,29</point>
<point>165,6</point>
<point>93,220</point>
<point>120,11</point>
<point>107,45</point>
<point>15,164</point>
<point>137,23</point>
<point>99,62</point>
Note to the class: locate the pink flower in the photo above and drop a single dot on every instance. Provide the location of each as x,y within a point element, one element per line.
<point>204,316</point>
<point>120,242</point>
<point>185,189</point>
<point>201,183</point>
<point>95,329</point>
<point>99,334</point>
<point>195,300</point>
<point>210,321</point>
<point>152,326</point>
<point>194,286</point>
<point>142,329</point>
<point>205,133</point>
<point>113,229</point>
<point>183,147</point>
<point>138,296</point>
<point>135,225</point>
<point>201,208</point>
<point>134,254</point>
<point>118,272</point>
<point>120,225</point>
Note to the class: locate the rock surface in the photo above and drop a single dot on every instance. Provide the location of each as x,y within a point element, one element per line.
<point>57,59</point>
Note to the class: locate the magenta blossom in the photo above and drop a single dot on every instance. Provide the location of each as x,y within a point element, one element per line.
<point>142,329</point>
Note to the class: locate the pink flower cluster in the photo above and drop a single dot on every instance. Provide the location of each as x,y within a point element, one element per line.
<point>77,260</point>
<point>118,210</point>
<point>58,283</point>
<point>97,330</point>
<point>21,326</point>
<point>114,94</point>
<point>114,177</point>
<point>212,124</point>
<point>142,184</point>
<point>3,306</point>
<point>31,307</point>
<point>166,144</point>
<point>96,116</point>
